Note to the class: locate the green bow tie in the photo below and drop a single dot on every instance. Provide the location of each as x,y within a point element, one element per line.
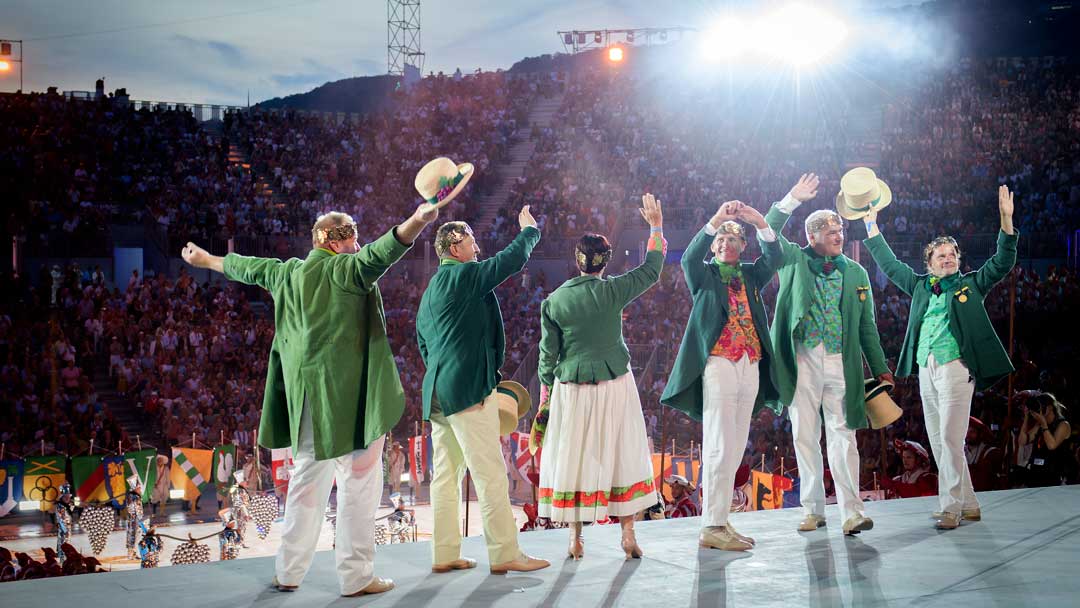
<point>826,265</point>
<point>728,271</point>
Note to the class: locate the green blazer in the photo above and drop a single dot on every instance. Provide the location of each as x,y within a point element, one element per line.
<point>709,316</point>
<point>581,337</point>
<point>330,347</point>
<point>459,326</point>
<point>980,347</point>
<point>861,338</point>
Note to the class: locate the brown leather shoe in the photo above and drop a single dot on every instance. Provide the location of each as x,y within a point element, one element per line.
<point>523,563</point>
<point>857,523</point>
<point>721,537</point>
<point>811,522</point>
<point>948,521</point>
<point>742,537</point>
<point>379,585</point>
<point>286,588</point>
<point>463,563</point>
<point>971,514</point>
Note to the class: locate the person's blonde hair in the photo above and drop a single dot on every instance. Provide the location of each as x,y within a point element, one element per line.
<point>332,226</point>
<point>820,220</point>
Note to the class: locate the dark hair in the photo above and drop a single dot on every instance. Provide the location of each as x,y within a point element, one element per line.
<point>592,253</point>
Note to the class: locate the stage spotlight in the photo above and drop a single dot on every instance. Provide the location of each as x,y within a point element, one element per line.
<point>568,39</point>
<point>800,34</point>
<point>726,39</point>
<point>4,66</point>
<point>598,37</point>
<point>630,37</point>
<point>615,54</point>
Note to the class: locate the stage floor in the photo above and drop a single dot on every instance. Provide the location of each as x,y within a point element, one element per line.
<point>1025,552</point>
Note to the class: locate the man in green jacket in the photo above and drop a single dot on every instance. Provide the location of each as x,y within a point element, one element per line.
<point>459,330</point>
<point>823,328</point>
<point>723,373</point>
<point>950,339</point>
<point>332,388</point>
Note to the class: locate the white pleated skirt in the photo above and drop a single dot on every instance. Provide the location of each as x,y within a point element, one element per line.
<point>596,459</point>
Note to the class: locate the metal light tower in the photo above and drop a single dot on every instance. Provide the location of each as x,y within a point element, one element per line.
<point>8,57</point>
<point>403,36</point>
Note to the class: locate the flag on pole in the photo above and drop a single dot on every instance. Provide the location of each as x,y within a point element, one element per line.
<point>418,459</point>
<point>523,458</point>
<point>142,464</point>
<point>11,485</point>
<point>115,480</point>
<point>223,466</point>
<point>191,471</point>
<point>88,477</point>
<point>767,490</point>
<point>42,478</point>
<point>280,463</point>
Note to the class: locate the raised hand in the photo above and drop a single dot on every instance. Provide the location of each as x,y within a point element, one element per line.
<point>806,188</point>
<point>195,255</point>
<point>651,211</point>
<point>752,216</point>
<point>727,212</point>
<point>1005,209</point>
<point>525,219</point>
<point>426,213</point>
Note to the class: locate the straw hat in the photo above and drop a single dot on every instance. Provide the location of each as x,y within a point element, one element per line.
<point>880,408</point>
<point>514,402</point>
<point>861,191</point>
<point>439,181</point>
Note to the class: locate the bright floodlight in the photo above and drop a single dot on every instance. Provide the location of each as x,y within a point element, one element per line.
<point>615,54</point>
<point>4,66</point>
<point>726,39</point>
<point>800,34</point>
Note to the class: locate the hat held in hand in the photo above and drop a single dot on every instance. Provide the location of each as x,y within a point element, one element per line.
<point>861,191</point>
<point>439,181</point>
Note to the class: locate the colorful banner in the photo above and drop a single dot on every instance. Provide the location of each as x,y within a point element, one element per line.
<point>88,477</point>
<point>419,459</point>
<point>523,460</point>
<point>42,478</point>
<point>191,471</point>
<point>11,485</point>
<point>280,464</point>
<point>767,490</point>
<point>678,465</point>
<point>223,466</point>
<point>142,464</point>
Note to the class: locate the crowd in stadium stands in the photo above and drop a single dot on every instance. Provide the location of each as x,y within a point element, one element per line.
<point>193,355</point>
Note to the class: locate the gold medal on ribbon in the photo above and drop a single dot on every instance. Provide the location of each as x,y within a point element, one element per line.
<point>962,298</point>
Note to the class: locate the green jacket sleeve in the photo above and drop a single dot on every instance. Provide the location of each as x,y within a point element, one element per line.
<point>632,284</point>
<point>1000,264</point>
<point>693,261</point>
<point>550,346</point>
<point>777,219</point>
<point>264,272</point>
<point>869,338</point>
<point>362,269</point>
<point>772,256</point>
<point>509,261</point>
<point>898,272</point>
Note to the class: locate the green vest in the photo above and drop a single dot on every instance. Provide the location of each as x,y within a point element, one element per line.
<point>330,347</point>
<point>581,337</point>
<point>935,337</point>
<point>459,327</point>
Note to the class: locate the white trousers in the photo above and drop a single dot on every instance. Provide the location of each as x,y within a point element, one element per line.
<point>359,481</point>
<point>819,393</point>
<point>729,391</point>
<point>946,392</point>
<point>470,438</point>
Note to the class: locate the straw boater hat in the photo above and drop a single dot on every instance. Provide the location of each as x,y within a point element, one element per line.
<point>912,446</point>
<point>439,181</point>
<point>861,191</point>
<point>880,408</point>
<point>514,402</point>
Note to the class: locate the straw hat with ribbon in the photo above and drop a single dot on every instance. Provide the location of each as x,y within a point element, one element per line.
<point>439,181</point>
<point>861,191</point>
<point>514,402</point>
<point>880,408</point>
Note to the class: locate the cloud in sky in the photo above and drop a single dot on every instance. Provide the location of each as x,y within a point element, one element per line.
<point>205,51</point>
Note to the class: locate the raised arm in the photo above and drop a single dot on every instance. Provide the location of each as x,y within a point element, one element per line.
<point>1004,259</point>
<point>902,275</point>
<point>779,214</point>
<point>772,255</point>
<point>632,284</point>
<point>693,259</point>
<point>368,265</point>
<point>512,259</point>
<point>264,272</point>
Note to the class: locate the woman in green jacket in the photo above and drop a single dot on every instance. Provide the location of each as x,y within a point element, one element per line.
<point>597,460</point>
